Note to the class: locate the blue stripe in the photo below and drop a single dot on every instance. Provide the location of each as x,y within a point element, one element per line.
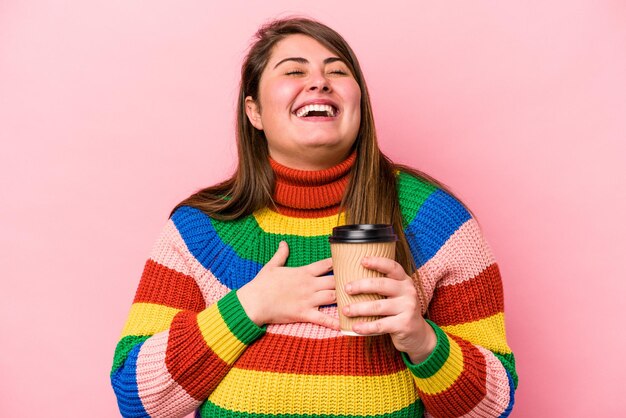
<point>509,408</point>
<point>205,245</point>
<point>124,382</point>
<point>437,219</point>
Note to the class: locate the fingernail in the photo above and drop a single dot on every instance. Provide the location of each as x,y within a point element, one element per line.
<point>348,288</point>
<point>365,260</point>
<point>346,310</point>
<point>282,244</point>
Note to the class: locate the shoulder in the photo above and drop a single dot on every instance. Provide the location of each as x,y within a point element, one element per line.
<point>430,214</point>
<point>187,216</point>
<point>421,198</point>
<point>195,224</point>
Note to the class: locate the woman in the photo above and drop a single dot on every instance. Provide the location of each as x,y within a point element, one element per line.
<point>235,313</point>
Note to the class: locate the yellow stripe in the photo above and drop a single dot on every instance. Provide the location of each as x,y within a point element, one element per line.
<point>217,335</point>
<point>274,223</point>
<point>148,319</point>
<point>257,392</point>
<point>488,333</point>
<point>447,375</point>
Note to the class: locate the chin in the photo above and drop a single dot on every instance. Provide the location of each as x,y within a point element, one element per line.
<point>324,146</point>
<point>325,140</point>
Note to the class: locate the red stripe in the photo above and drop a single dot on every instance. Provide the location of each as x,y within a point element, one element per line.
<point>471,300</point>
<point>348,356</point>
<point>467,391</point>
<point>310,197</point>
<point>310,194</point>
<point>190,361</point>
<point>164,286</point>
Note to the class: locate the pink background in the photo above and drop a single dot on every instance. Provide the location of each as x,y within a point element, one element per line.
<point>111,113</point>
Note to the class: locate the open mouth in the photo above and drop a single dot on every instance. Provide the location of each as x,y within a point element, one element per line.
<point>311,110</point>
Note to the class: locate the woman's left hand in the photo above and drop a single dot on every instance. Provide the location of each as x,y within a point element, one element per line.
<point>401,310</point>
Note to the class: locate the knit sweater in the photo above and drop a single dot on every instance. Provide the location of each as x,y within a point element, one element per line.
<point>189,345</point>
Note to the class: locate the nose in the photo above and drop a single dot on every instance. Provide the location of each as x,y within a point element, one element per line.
<point>319,82</point>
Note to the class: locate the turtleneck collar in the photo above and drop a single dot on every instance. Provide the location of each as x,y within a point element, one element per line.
<point>303,193</point>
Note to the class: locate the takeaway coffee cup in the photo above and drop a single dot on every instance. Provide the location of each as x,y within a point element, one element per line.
<point>348,245</point>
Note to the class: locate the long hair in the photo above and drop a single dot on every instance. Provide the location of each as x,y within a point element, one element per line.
<point>371,195</point>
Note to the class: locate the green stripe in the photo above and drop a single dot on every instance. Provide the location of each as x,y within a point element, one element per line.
<point>435,360</point>
<point>236,319</point>
<point>209,409</point>
<point>508,361</point>
<point>412,193</point>
<point>245,237</point>
<point>124,347</point>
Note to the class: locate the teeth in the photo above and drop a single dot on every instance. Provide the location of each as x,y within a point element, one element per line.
<point>304,110</point>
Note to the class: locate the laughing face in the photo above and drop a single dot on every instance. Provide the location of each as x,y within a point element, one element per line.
<point>308,105</point>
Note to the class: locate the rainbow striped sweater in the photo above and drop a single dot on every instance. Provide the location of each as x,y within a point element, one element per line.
<point>188,344</point>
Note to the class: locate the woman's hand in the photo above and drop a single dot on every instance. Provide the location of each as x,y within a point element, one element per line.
<point>401,310</point>
<point>280,295</point>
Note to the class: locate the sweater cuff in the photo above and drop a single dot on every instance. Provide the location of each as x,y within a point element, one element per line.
<point>237,320</point>
<point>227,329</point>
<point>435,360</point>
<point>441,368</point>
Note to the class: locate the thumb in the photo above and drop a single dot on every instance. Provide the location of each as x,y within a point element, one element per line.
<point>280,256</point>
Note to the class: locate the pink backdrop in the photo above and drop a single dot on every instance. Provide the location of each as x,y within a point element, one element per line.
<point>111,113</point>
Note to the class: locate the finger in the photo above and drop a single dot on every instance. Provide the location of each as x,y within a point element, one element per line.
<point>384,286</point>
<point>386,266</point>
<point>320,267</point>
<point>280,256</point>
<point>324,282</point>
<point>380,326</point>
<point>324,297</point>
<point>381,307</point>
<point>325,320</point>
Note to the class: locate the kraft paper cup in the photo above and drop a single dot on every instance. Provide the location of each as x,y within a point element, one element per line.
<point>348,245</point>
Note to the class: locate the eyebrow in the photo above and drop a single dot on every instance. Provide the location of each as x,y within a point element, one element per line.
<point>301,60</point>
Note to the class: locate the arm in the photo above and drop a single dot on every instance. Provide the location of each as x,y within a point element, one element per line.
<point>174,350</point>
<point>472,369</point>
<point>459,358</point>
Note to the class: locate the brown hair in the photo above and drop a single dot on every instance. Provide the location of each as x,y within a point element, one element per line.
<point>370,197</point>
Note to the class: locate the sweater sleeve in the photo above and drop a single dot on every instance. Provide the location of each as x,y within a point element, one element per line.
<point>471,372</point>
<point>177,344</point>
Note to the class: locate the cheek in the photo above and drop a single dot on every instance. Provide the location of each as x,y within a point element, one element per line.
<point>352,95</point>
<point>279,94</point>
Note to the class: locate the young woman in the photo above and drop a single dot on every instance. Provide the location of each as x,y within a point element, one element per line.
<point>235,312</point>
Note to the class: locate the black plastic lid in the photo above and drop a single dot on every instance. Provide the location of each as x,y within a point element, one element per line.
<point>360,233</point>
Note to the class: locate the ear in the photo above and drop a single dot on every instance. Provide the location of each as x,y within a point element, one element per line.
<point>254,116</point>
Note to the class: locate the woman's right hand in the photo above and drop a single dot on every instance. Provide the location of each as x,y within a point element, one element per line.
<point>280,295</point>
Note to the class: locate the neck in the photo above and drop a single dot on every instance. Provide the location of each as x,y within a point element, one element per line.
<point>311,193</point>
<point>314,159</point>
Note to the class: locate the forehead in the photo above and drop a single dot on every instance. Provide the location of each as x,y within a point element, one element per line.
<point>299,46</point>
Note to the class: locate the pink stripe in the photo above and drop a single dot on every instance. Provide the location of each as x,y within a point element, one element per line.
<point>159,393</point>
<point>447,267</point>
<point>307,330</point>
<point>171,251</point>
<point>498,396</point>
